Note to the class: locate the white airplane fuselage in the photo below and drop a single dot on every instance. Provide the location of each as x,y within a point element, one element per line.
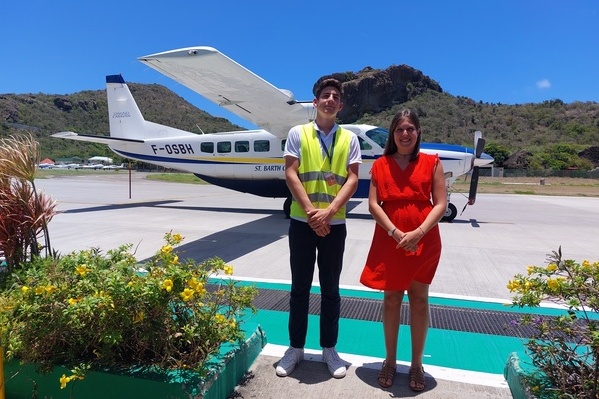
<point>252,161</point>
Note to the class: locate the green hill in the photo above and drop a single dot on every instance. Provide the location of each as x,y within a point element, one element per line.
<point>87,112</point>
<point>547,135</point>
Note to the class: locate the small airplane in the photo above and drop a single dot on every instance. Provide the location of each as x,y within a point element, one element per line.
<point>249,161</point>
<point>113,167</point>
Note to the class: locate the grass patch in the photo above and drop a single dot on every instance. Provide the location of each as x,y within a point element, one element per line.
<point>527,192</point>
<point>176,178</point>
<point>45,173</point>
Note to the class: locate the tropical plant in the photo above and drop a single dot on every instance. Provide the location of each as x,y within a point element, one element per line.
<point>564,349</point>
<point>24,212</point>
<point>93,311</point>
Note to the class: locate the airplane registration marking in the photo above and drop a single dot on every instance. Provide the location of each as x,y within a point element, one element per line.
<point>173,148</point>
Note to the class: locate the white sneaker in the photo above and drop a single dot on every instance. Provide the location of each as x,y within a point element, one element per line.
<point>334,363</point>
<point>287,363</point>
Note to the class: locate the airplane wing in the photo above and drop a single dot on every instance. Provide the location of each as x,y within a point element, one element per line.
<point>221,80</point>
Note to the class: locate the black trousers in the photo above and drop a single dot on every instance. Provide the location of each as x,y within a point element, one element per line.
<point>306,248</point>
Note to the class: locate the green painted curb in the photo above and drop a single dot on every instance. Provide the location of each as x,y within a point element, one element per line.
<point>225,370</point>
<point>229,367</point>
<point>514,375</point>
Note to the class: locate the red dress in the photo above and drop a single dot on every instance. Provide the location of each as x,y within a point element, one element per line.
<point>406,198</point>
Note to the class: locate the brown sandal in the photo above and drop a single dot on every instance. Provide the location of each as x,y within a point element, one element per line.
<point>417,381</point>
<point>387,374</point>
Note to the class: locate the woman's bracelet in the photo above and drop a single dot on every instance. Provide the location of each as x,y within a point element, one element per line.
<point>423,233</point>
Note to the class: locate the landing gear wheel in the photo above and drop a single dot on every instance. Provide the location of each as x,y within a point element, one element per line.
<point>450,213</point>
<point>287,207</point>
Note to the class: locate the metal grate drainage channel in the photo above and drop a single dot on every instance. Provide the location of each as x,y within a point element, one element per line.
<point>442,317</point>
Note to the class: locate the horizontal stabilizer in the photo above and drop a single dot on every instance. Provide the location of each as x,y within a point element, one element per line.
<point>93,139</point>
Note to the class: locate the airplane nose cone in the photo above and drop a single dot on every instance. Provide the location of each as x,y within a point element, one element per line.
<point>484,159</point>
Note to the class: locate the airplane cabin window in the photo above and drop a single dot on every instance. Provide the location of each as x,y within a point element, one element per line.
<point>223,146</point>
<point>378,135</point>
<point>261,146</point>
<point>364,145</point>
<point>207,147</point>
<point>242,146</point>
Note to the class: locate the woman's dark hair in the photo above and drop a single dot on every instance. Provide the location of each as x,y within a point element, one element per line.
<point>403,115</point>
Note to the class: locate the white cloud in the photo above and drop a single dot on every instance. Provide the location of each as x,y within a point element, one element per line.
<point>543,84</point>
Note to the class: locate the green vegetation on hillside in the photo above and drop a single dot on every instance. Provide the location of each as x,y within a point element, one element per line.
<point>548,135</point>
<point>86,112</point>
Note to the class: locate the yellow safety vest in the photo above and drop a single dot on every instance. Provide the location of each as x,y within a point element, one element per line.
<point>314,165</point>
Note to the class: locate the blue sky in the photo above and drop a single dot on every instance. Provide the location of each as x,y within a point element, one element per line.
<point>497,51</point>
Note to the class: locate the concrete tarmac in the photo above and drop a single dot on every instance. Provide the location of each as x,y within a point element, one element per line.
<point>483,248</point>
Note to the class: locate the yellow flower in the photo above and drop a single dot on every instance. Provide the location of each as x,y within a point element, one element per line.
<point>196,285</point>
<point>167,285</point>
<point>81,269</point>
<point>228,270</point>
<point>187,294</point>
<point>553,284</point>
<point>24,289</point>
<point>166,249</point>
<point>73,301</point>
<point>530,269</point>
<point>39,290</point>
<point>219,318</point>
<point>175,260</point>
<point>64,380</point>
<point>513,285</point>
<point>177,238</point>
<point>50,288</point>
<point>551,267</point>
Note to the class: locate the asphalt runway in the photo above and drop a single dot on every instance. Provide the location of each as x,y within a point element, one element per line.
<point>483,248</point>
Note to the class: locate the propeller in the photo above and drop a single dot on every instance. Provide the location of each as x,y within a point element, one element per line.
<point>479,146</point>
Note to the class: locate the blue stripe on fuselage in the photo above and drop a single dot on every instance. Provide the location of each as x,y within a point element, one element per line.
<point>154,158</point>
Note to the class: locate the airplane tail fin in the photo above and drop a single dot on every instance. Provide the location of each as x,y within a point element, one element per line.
<point>126,120</point>
<point>124,116</point>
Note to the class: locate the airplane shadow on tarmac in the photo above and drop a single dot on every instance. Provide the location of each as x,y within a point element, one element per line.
<point>237,241</point>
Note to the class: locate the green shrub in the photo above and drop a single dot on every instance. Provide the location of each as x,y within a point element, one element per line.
<point>564,349</point>
<point>89,310</point>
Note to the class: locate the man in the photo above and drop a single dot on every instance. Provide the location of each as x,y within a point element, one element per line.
<point>321,169</point>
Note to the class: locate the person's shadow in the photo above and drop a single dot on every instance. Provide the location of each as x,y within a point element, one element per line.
<point>369,372</point>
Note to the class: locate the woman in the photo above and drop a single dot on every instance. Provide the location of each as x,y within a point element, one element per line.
<point>407,198</point>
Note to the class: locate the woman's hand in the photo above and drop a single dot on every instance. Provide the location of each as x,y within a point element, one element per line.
<point>409,241</point>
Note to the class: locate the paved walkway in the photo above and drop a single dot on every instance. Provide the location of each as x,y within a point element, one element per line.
<point>311,379</point>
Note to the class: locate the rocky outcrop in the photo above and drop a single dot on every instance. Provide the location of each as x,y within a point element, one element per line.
<point>519,160</point>
<point>371,91</point>
<point>63,104</point>
<point>592,154</point>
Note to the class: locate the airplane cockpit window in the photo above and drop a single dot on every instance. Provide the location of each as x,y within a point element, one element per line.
<point>261,146</point>
<point>283,144</point>
<point>223,146</point>
<point>207,147</point>
<point>378,135</point>
<point>364,145</point>
<point>242,146</point>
